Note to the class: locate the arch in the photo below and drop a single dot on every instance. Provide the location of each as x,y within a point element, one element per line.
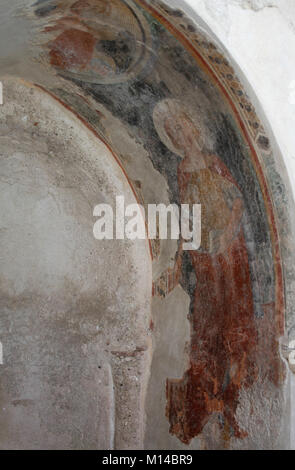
<point>215,356</point>
<point>71,348</point>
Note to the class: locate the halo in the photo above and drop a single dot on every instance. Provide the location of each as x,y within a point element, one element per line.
<point>120,16</point>
<point>172,107</point>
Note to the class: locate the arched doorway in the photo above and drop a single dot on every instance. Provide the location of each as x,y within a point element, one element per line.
<point>152,84</point>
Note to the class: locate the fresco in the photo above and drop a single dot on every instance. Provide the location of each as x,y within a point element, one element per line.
<point>100,41</point>
<point>223,331</point>
<point>178,99</point>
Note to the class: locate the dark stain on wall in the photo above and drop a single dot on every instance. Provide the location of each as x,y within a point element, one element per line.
<point>230,280</point>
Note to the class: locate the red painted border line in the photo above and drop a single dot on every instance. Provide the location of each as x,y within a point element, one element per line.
<point>280,298</point>
<point>89,127</point>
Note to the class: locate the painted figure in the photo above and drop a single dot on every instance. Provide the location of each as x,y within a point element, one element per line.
<point>99,41</point>
<point>223,331</point>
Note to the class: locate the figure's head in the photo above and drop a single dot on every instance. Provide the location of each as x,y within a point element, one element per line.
<point>176,127</point>
<point>100,7</point>
<point>182,132</point>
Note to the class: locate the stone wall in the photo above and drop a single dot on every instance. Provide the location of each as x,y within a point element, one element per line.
<point>260,36</point>
<point>221,317</point>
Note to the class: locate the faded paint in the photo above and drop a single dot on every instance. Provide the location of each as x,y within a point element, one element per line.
<point>114,64</point>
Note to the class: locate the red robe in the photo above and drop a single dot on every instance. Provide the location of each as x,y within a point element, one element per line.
<point>223,333</point>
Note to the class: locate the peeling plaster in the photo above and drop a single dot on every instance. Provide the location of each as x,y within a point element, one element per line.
<point>235,387</point>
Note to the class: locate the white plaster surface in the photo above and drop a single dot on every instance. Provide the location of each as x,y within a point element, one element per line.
<point>260,36</point>
<point>75,312</point>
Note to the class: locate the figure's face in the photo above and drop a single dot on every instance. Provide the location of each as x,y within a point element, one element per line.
<point>181,131</point>
<point>100,7</point>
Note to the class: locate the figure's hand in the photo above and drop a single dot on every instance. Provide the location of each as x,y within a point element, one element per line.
<point>170,278</point>
<point>164,284</point>
<point>160,286</point>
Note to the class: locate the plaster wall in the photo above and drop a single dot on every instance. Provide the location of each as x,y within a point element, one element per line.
<point>74,312</point>
<point>260,36</point>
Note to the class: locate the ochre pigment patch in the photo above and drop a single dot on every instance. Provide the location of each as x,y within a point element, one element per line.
<point>223,330</point>
<point>180,125</point>
<point>72,50</point>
